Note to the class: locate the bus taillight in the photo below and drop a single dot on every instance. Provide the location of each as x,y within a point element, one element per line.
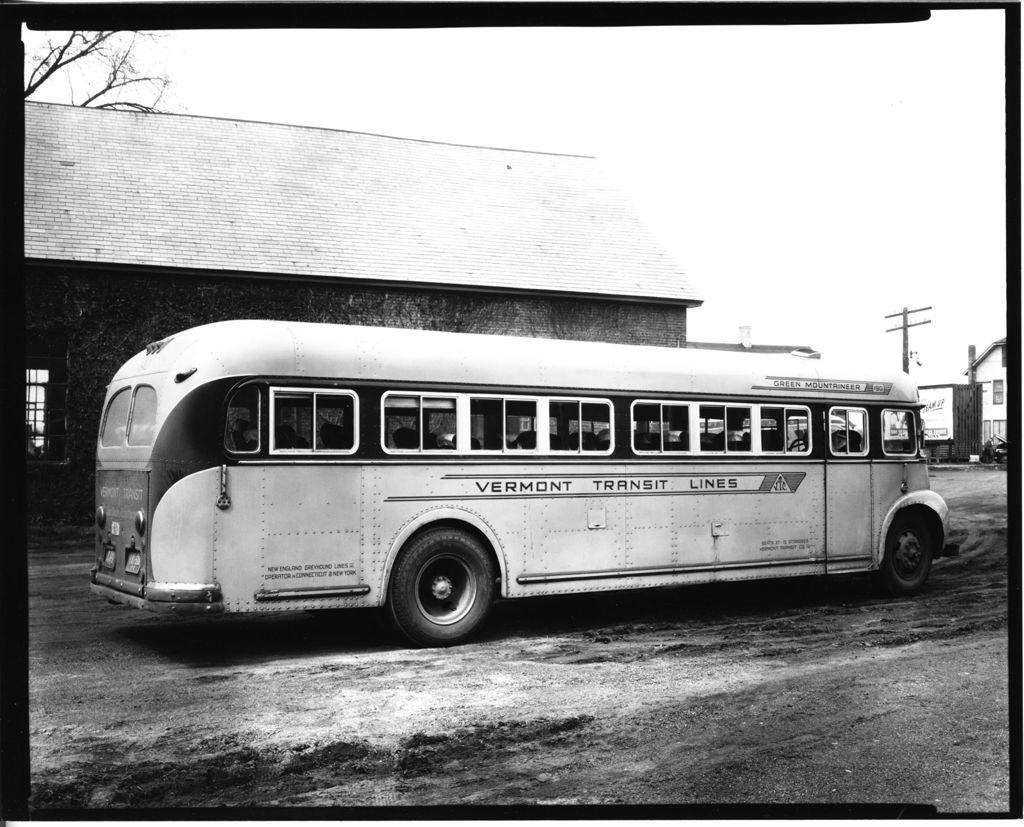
<point>101,517</point>
<point>140,522</point>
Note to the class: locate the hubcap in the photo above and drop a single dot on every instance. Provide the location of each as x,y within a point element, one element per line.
<point>441,588</point>
<point>446,589</point>
<point>908,553</point>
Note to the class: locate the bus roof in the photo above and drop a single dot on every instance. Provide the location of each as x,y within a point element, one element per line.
<point>303,350</point>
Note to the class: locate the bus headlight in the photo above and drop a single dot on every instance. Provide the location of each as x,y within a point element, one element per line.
<point>140,522</point>
<point>101,517</point>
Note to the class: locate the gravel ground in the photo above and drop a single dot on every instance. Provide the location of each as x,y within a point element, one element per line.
<point>802,691</point>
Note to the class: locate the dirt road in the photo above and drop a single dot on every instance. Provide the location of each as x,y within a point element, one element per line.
<point>804,690</point>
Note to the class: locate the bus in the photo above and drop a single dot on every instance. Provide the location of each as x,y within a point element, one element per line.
<point>267,466</point>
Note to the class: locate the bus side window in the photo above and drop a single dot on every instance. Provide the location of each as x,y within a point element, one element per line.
<point>773,433</point>
<point>675,423</point>
<point>898,434</point>
<point>847,429</point>
<point>712,427</point>
<point>661,427</point>
<point>439,424</point>
<point>420,423</point>
<point>580,426</point>
<point>737,427</point>
<point>402,423</point>
<point>837,430</point>
<point>486,431</point>
<point>797,431</point>
<point>335,422</point>
<point>785,430</point>
<point>647,427</point>
<point>596,421</point>
<point>564,425</point>
<point>521,424</point>
<point>293,420</point>
<point>858,430</point>
<point>242,421</point>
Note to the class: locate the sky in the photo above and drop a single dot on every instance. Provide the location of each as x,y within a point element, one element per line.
<point>809,180</point>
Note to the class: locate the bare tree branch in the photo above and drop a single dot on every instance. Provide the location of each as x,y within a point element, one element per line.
<point>89,47</point>
<point>108,65</point>
<point>45,64</point>
<point>128,105</point>
<point>112,86</point>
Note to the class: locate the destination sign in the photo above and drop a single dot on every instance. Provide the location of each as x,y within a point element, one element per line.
<point>842,386</point>
<point>527,486</point>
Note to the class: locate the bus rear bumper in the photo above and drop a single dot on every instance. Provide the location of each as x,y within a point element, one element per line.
<point>180,598</point>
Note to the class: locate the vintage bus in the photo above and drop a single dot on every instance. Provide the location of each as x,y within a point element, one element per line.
<point>255,466</point>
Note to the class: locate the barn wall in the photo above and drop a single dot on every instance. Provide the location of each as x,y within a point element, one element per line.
<point>105,318</point>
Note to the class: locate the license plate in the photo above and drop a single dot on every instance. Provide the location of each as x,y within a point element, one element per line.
<point>134,562</point>
<point>109,557</point>
<point>115,528</point>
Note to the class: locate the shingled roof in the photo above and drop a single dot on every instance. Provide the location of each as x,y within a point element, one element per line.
<point>112,187</point>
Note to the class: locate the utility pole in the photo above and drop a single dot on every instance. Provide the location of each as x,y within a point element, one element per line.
<point>904,327</point>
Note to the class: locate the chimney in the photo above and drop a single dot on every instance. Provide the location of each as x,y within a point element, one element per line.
<point>971,356</point>
<point>745,337</point>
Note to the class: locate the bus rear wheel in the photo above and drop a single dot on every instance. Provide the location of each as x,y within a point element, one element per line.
<point>442,588</point>
<point>908,556</point>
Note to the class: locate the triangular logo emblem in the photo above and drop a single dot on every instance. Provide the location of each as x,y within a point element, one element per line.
<point>781,486</point>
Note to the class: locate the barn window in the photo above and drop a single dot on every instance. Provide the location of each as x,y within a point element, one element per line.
<point>46,380</point>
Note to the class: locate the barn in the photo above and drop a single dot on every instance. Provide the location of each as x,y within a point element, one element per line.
<point>138,225</point>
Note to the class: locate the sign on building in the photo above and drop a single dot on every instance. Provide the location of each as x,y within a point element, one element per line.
<point>937,414</point>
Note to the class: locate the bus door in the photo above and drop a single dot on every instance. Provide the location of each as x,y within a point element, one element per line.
<point>900,469</point>
<point>848,495</point>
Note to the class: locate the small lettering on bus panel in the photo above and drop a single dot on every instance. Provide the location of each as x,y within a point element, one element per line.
<point>110,492</point>
<point>858,386</point>
<point>310,570</point>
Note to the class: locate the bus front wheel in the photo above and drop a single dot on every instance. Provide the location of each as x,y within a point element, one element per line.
<point>441,588</point>
<point>908,556</point>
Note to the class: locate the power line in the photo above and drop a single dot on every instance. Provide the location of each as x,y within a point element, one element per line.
<point>905,327</point>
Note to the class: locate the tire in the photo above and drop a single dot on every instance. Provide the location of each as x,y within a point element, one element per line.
<point>441,588</point>
<point>908,556</point>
